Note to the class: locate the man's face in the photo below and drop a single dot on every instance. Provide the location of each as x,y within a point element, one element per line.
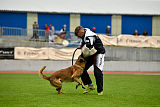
<point>81,33</point>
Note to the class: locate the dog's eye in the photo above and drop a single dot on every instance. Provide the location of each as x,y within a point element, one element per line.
<point>81,60</point>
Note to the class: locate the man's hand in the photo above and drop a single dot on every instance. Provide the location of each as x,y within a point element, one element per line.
<point>79,47</point>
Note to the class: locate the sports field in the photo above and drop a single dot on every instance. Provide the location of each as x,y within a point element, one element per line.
<point>120,90</point>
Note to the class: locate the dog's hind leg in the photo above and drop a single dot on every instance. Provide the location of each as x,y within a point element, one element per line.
<point>57,84</point>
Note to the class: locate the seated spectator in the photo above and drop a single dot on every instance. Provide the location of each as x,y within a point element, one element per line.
<point>136,33</point>
<point>145,33</point>
<point>63,32</point>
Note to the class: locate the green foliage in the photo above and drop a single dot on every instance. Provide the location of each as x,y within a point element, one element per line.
<point>29,90</point>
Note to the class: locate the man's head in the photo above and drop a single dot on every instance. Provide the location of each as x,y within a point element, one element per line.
<point>79,31</point>
<point>65,26</point>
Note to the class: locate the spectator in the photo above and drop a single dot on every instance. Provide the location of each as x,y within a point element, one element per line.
<point>52,29</point>
<point>51,36</point>
<point>108,30</point>
<point>145,33</point>
<point>94,29</point>
<point>63,32</point>
<point>35,31</point>
<point>1,31</point>
<point>136,33</point>
<point>46,32</point>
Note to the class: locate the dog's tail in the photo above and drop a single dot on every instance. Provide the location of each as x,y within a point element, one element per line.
<point>41,73</point>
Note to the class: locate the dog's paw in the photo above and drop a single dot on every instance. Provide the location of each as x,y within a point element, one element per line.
<point>77,86</point>
<point>60,93</point>
<point>83,87</point>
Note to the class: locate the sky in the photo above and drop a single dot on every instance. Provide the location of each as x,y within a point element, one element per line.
<point>146,7</point>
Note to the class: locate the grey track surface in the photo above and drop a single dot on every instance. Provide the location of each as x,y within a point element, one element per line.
<point>52,65</point>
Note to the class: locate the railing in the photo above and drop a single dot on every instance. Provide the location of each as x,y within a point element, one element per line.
<point>13,31</point>
<point>20,34</point>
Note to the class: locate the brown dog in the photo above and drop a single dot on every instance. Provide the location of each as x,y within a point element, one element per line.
<point>69,74</point>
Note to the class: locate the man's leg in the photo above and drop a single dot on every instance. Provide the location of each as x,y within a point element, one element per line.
<point>33,36</point>
<point>36,35</point>
<point>85,76</point>
<point>98,68</point>
<point>99,79</point>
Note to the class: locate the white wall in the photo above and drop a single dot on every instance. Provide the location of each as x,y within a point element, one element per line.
<point>31,18</point>
<point>156,26</point>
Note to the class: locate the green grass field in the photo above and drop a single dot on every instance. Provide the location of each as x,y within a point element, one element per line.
<point>120,90</point>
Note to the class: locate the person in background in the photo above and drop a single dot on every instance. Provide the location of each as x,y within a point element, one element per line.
<point>136,32</point>
<point>91,41</point>
<point>108,30</point>
<point>52,29</point>
<point>51,35</point>
<point>1,31</point>
<point>94,29</point>
<point>47,32</point>
<point>35,31</point>
<point>145,33</point>
<point>63,32</point>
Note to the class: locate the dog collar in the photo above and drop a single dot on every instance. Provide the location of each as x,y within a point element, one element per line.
<point>79,66</point>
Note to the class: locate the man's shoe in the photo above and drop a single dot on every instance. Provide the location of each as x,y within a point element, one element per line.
<point>90,88</point>
<point>100,93</point>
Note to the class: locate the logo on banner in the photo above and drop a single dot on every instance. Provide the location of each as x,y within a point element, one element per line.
<point>6,53</point>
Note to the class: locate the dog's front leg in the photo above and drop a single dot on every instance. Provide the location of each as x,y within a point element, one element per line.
<point>79,82</point>
<point>77,85</point>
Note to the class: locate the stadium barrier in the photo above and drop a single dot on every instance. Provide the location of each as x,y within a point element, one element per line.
<point>45,53</point>
<point>131,41</point>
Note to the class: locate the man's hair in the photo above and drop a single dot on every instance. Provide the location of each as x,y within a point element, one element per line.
<point>77,29</point>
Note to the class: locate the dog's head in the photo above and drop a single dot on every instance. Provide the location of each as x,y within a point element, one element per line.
<point>81,61</point>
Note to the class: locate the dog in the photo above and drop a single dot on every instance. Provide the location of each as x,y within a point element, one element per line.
<point>69,74</point>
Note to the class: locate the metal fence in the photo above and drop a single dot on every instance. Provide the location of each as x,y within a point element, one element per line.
<point>13,31</point>
<point>20,34</point>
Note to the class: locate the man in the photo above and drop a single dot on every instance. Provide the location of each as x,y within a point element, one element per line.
<point>51,35</point>
<point>35,31</point>
<point>47,31</point>
<point>108,30</point>
<point>90,40</point>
